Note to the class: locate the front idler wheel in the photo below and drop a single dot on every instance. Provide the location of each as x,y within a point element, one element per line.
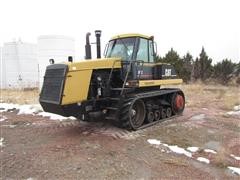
<point>137,114</point>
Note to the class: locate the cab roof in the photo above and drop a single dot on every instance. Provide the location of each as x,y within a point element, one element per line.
<point>131,35</point>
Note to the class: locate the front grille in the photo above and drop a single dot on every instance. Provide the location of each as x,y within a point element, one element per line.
<point>52,88</point>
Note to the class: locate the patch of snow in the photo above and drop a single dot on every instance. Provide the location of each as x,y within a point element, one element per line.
<point>210,151</point>
<point>55,116</point>
<point>198,117</point>
<point>202,159</point>
<point>8,106</point>
<point>236,108</point>
<point>173,148</point>
<point>193,149</point>
<point>235,157</point>
<point>52,116</point>
<point>29,109</point>
<point>23,109</point>
<point>30,178</point>
<point>235,170</point>
<point>179,150</point>
<point>154,141</point>
<point>3,118</point>
<point>234,113</point>
<point>72,118</point>
<point>11,126</point>
<point>1,142</point>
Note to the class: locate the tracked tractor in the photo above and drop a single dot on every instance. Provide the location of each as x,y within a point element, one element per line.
<point>123,87</point>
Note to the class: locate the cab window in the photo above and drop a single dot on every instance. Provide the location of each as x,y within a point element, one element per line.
<point>122,48</point>
<point>151,52</point>
<point>145,50</point>
<point>142,53</point>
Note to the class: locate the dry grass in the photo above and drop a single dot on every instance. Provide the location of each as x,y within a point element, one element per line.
<point>202,95</point>
<point>197,95</point>
<point>221,159</point>
<point>28,96</point>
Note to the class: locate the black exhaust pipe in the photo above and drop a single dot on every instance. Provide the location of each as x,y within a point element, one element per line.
<point>88,51</point>
<point>98,42</point>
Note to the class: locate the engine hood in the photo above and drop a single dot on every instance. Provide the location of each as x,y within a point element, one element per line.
<point>92,64</point>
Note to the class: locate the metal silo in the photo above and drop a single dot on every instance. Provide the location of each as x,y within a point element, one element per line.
<point>2,73</point>
<point>19,65</point>
<point>55,47</point>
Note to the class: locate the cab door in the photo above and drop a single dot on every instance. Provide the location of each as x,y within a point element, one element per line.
<point>145,53</point>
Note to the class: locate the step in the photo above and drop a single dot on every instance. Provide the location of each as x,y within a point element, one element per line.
<point>126,90</point>
<point>112,108</point>
<point>114,98</point>
<point>110,117</point>
<point>119,89</point>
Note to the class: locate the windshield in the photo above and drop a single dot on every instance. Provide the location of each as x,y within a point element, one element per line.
<point>121,48</point>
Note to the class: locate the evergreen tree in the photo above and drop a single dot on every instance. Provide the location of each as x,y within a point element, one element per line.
<point>201,68</point>
<point>158,58</point>
<point>205,65</point>
<point>223,71</point>
<point>186,70</point>
<point>196,69</point>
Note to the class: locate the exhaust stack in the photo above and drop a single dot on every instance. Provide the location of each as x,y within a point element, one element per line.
<point>88,51</point>
<point>98,42</point>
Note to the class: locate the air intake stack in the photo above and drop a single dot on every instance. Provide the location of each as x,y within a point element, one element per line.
<point>98,42</point>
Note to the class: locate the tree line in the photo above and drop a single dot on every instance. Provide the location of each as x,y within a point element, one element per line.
<point>201,68</point>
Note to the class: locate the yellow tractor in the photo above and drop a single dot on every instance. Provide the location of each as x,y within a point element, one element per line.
<point>124,86</point>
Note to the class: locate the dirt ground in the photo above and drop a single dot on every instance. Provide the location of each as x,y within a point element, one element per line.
<point>35,147</point>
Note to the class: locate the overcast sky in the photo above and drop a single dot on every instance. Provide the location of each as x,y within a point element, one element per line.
<point>185,25</point>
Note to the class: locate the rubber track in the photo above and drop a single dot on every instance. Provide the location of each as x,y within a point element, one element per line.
<point>124,122</point>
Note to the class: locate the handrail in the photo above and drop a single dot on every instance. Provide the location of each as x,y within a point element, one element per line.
<point>110,75</point>
<point>126,76</point>
<point>129,69</point>
<point>127,73</point>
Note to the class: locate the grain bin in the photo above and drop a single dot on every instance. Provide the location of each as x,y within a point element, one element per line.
<point>2,74</point>
<point>55,47</point>
<point>19,67</point>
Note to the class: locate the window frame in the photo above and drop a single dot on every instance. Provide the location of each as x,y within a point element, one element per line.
<point>149,41</point>
<point>122,39</point>
<point>149,53</point>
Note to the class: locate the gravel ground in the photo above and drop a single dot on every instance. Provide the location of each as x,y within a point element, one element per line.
<point>35,147</point>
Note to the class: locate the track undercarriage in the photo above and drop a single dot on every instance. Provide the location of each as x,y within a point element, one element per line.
<point>139,110</point>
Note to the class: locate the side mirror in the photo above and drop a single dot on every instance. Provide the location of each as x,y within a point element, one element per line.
<point>155,48</point>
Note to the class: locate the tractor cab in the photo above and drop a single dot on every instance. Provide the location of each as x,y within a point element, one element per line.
<point>139,51</point>
<point>135,47</point>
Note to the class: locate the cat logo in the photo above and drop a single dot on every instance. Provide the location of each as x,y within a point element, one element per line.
<point>140,72</point>
<point>168,72</point>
